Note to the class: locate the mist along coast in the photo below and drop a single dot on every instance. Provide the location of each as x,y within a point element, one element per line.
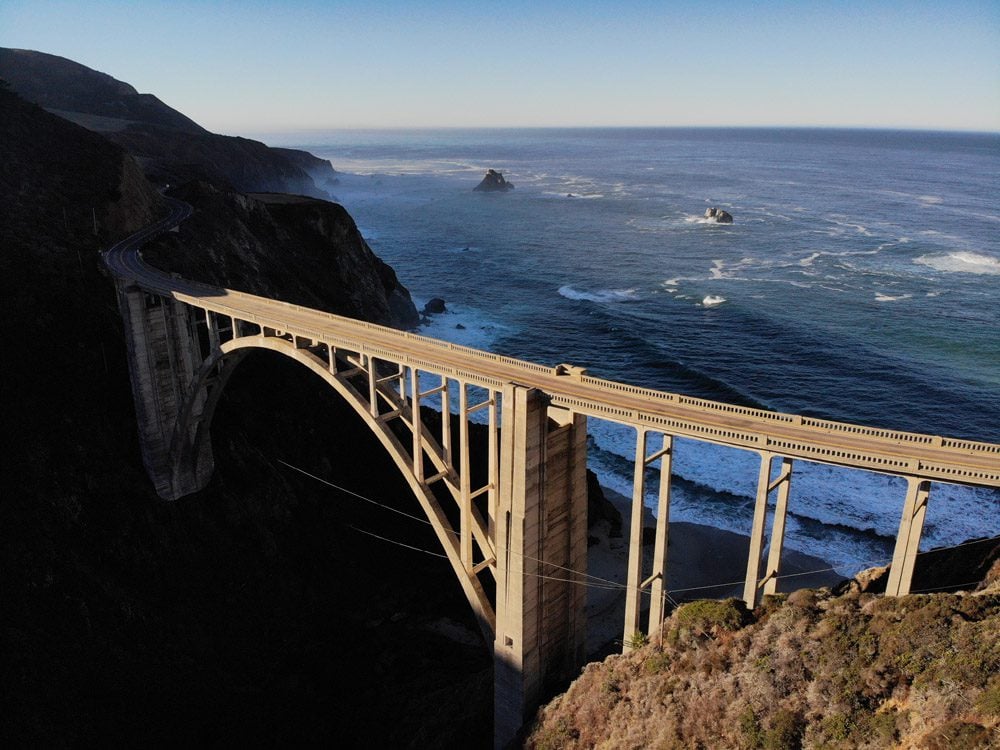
<point>857,282</point>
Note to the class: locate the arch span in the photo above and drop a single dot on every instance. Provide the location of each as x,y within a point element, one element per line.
<point>190,450</point>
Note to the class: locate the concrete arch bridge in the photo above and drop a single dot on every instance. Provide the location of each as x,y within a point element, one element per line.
<point>522,533</point>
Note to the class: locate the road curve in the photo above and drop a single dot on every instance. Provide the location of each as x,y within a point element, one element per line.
<point>890,451</point>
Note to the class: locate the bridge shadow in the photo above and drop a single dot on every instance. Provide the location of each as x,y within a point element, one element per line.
<point>366,642</point>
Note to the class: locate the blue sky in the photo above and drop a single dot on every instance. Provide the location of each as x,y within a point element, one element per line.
<point>256,67</point>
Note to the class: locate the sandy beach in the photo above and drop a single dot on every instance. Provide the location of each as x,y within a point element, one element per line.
<point>702,562</point>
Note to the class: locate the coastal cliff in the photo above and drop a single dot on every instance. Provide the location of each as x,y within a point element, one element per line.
<point>256,611</point>
<point>169,146</point>
<point>299,250</point>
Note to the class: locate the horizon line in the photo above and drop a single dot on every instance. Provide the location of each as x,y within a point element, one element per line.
<point>416,128</point>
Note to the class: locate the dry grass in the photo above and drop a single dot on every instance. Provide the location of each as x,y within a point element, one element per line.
<point>813,670</point>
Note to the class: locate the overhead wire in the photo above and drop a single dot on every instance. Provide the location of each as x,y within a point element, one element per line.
<point>597,581</point>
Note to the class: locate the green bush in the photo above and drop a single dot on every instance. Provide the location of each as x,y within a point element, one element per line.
<point>711,617</point>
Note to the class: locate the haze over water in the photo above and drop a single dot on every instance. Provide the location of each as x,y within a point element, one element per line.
<point>860,282</point>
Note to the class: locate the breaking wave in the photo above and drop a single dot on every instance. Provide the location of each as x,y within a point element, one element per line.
<point>602,295</point>
<point>962,262</point>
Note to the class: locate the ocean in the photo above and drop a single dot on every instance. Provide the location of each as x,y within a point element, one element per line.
<point>860,282</point>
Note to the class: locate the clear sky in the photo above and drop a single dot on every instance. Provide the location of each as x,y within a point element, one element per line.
<point>254,67</point>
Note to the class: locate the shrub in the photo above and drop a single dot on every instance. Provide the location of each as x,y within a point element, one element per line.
<point>785,732</point>
<point>710,617</point>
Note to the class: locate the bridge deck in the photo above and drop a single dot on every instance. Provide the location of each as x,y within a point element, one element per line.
<point>894,452</point>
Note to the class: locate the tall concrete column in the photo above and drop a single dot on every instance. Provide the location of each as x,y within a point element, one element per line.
<point>540,538</point>
<point>163,358</point>
<point>911,525</point>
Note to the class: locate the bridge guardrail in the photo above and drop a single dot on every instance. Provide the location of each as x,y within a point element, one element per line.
<point>355,334</point>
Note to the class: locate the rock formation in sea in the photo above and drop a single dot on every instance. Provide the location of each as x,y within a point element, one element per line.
<point>493,182</point>
<point>718,215</point>
<point>434,306</point>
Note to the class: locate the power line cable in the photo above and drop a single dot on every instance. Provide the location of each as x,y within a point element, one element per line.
<point>597,581</point>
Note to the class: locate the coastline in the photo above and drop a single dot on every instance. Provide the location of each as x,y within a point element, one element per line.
<point>702,562</point>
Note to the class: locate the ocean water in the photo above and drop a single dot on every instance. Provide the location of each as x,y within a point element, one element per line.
<point>859,282</point>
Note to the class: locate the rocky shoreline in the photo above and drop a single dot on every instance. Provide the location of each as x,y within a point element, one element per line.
<point>702,562</point>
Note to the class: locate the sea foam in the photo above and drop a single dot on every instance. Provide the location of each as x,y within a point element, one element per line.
<point>962,262</point>
<point>601,295</point>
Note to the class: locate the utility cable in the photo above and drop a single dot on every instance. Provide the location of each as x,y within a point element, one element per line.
<point>597,581</point>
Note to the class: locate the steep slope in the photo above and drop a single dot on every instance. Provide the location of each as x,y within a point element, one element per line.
<point>814,670</point>
<point>322,172</point>
<point>170,147</point>
<point>253,613</point>
<point>304,251</point>
<point>71,90</point>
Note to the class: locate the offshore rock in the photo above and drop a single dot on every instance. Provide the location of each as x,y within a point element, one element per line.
<point>494,182</point>
<point>434,307</point>
<point>720,216</point>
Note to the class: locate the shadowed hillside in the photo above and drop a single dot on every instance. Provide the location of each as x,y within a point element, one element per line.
<point>256,612</point>
<point>170,147</point>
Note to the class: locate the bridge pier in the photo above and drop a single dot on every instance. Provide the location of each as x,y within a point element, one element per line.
<point>635,582</point>
<point>911,525</point>
<point>765,486</point>
<point>164,356</point>
<point>541,539</point>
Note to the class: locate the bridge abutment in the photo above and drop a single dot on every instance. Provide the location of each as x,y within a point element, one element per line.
<point>541,545</point>
<point>163,357</point>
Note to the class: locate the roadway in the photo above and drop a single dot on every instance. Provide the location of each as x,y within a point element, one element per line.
<point>893,452</point>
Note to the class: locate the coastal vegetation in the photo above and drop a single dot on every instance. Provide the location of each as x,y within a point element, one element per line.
<point>811,669</point>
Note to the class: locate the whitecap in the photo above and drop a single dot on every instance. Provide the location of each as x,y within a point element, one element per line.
<point>460,324</point>
<point>880,297</point>
<point>699,219</point>
<point>962,262</point>
<point>712,300</point>
<point>601,295</point>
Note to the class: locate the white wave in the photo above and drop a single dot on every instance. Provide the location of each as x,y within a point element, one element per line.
<point>833,496</point>
<point>462,325</point>
<point>930,200</point>
<point>962,262</point>
<point>602,295</point>
<point>699,219</point>
<point>574,196</point>
<point>712,300</point>
<point>880,297</point>
<point>809,261</point>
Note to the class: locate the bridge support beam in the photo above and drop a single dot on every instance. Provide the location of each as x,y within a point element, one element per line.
<point>541,516</point>
<point>634,581</point>
<point>163,357</point>
<point>911,526</point>
<point>782,483</point>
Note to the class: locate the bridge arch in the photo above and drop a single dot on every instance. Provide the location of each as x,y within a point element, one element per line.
<point>190,446</point>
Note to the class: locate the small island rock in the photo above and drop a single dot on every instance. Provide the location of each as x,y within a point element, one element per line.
<point>493,182</point>
<point>434,306</point>
<point>720,216</point>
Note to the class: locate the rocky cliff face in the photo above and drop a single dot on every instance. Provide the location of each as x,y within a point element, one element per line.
<point>308,252</point>
<point>321,170</point>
